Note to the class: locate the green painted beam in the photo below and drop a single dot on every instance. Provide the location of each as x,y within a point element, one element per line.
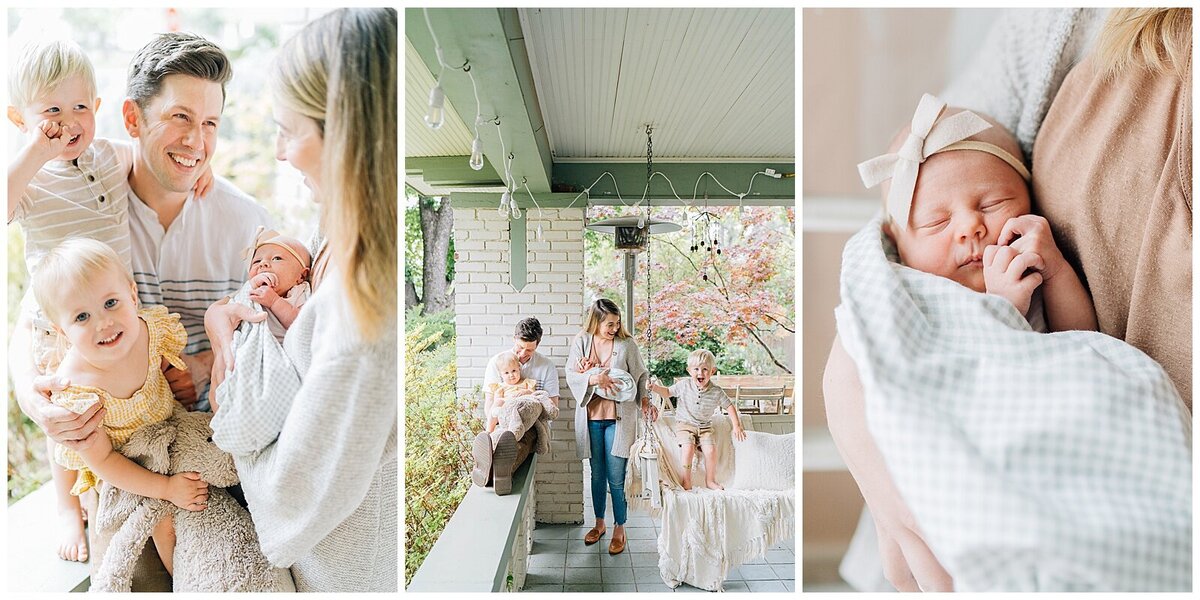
<point>517,269</point>
<point>631,180</point>
<point>451,171</point>
<point>564,200</point>
<point>491,41</point>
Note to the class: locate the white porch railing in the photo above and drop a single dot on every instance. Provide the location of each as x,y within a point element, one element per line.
<point>485,545</point>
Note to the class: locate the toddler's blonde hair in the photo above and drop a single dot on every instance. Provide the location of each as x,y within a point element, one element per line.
<point>701,357</point>
<point>42,66</point>
<point>70,266</point>
<point>505,359</point>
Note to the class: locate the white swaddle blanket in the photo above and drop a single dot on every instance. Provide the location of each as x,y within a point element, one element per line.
<point>1030,461</point>
<point>625,385</point>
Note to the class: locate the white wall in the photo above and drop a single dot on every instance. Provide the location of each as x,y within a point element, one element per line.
<point>487,310</point>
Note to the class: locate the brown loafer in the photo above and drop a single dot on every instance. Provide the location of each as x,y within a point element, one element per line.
<point>481,474</point>
<point>592,536</point>
<point>616,546</point>
<point>504,458</point>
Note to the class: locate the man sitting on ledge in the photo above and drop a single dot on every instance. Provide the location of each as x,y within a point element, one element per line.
<point>495,465</point>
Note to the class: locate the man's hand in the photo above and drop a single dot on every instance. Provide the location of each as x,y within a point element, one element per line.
<point>75,431</point>
<point>186,385</point>
<point>1004,274</point>
<point>1031,233</point>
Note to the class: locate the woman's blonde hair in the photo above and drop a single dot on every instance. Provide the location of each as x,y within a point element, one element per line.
<point>42,66</point>
<point>340,71</point>
<point>1159,39</point>
<point>596,313</point>
<point>72,266</point>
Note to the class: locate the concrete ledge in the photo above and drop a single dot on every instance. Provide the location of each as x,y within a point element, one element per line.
<point>33,562</point>
<point>475,549</point>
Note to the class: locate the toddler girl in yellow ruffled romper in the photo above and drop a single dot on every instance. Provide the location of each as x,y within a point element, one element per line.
<point>114,357</point>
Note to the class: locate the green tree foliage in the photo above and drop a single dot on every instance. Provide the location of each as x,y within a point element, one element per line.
<point>439,430</point>
<point>739,304</point>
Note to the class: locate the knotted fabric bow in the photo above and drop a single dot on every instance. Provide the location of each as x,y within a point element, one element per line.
<point>264,236</point>
<point>928,136</point>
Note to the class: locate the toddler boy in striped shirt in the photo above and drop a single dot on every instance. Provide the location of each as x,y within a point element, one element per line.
<point>699,398</point>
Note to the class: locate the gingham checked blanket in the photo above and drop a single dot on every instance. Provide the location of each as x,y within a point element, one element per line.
<point>1030,461</point>
<point>263,377</point>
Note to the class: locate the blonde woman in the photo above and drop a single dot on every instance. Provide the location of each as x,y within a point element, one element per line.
<point>604,429</point>
<point>323,493</point>
<point>1109,130</point>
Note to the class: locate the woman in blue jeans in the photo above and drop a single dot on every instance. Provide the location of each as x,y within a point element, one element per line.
<point>604,429</point>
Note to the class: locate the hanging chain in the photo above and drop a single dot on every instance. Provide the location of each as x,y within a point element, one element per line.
<point>649,298</point>
<point>649,154</point>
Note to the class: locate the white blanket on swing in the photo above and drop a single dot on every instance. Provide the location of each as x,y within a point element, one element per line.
<point>1030,461</point>
<point>706,533</point>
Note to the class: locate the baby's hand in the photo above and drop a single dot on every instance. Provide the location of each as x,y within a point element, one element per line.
<point>187,491</point>
<point>1031,233</point>
<point>265,296</point>
<point>49,139</point>
<point>205,183</point>
<point>1004,274</point>
<point>497,402</point>
<point>267,279</point>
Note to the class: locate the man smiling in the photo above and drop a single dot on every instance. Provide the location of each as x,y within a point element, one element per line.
<point>186,253</point>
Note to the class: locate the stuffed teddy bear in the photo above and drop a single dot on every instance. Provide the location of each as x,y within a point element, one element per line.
<point>216,549</point>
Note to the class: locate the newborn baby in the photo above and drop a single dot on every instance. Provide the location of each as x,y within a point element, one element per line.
<point>279,269</point>
<point>957,197</point>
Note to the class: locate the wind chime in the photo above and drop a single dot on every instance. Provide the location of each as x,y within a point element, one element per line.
<point>706,226</point>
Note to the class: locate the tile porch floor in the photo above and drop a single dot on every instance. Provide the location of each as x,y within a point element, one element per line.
<point>560,562</point>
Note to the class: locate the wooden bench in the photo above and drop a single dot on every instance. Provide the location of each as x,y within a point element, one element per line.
<point>33,562</point>
<point>486,540</point>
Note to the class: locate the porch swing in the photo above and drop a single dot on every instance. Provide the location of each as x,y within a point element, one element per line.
<point>703,533</point>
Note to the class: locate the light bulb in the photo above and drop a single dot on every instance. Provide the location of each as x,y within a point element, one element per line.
<point>641,221</point>
<point>476,161</point>
<point>505,199</point>
<point>539,232</point>
<point>437,103</point>
<point>516,212</point>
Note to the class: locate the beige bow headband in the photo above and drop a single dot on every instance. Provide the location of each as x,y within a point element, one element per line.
<point>929,135</point>
<point>264,236</point>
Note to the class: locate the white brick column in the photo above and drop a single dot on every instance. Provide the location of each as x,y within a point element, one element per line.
<point>487,310</point>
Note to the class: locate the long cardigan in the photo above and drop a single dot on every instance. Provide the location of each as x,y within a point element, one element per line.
<point>625,357</point>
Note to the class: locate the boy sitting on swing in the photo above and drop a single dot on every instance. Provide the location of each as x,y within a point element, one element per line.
<point>699,398</point>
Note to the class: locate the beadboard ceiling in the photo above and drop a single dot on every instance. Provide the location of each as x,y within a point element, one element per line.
<point>715,83</point>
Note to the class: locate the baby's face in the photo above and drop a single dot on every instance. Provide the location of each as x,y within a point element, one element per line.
<point>962,200</point>
<point>271,258</point>
<point>510,373</point>
<point>70,104</point>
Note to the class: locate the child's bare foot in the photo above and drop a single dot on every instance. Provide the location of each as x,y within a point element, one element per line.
<point>72,541</point>
<point>713,485</point>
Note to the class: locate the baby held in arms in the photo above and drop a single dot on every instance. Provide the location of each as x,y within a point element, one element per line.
<point>958,205</point>
<point>279,270</point>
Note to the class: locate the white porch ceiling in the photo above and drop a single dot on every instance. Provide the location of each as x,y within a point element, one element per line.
<point>453,139</point>
<point>715,83</point>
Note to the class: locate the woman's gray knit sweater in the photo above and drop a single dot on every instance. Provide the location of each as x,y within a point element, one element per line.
<point>323,494</point>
